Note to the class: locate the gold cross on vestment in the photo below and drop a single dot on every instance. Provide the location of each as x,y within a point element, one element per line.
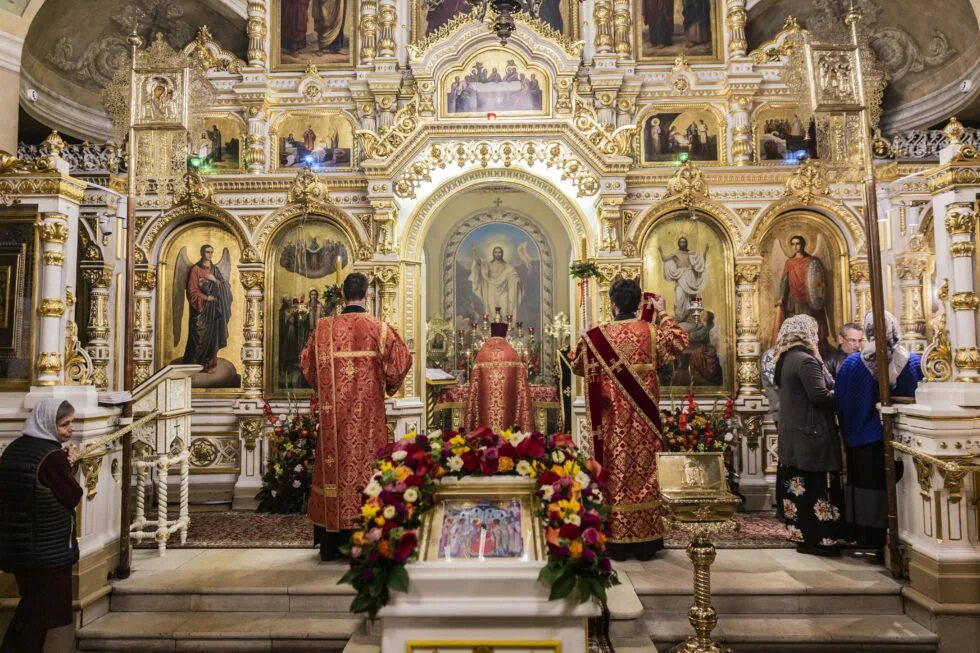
<point>349,370</point>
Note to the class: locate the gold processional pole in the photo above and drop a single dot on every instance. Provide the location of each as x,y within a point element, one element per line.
<point>125,550</point>
<point>877,296</point>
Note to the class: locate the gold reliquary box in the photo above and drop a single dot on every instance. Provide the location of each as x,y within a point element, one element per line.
<point>694,486</point>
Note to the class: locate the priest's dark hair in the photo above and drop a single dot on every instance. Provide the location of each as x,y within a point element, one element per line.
<point>355,287</point>
<point>625,294</point>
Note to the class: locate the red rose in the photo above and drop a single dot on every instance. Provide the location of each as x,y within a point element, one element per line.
<point>547,478</point>
<point>532,447</point>
<point>507,450</point>
<point>470,462</point>
<point>570,532</point>
<point>591,520</point>
<point>488,465</point>
<point>405,547</point>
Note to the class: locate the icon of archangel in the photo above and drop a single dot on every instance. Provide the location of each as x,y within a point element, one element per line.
<point>803,285</point>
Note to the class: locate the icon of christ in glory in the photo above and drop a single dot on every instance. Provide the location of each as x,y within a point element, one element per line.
<point>497,283</point>
<point>688,271</point>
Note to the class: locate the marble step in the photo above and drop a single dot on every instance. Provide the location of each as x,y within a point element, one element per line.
<point>815,634</point>
<point>371,644</point>
<point>224,632</point>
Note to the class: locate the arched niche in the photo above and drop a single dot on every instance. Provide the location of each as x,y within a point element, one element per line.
<point>189,328</point>
<point>685,259</point>
<point>303,255</point>
<point>825,242</point>
<point>159,229</point>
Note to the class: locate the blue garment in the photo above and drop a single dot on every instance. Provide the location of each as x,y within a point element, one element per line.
<point>856,394</point>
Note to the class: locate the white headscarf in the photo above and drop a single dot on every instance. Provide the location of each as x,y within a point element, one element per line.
<point>43,420</point>
<point>898,356</point>
<point>798,331</point>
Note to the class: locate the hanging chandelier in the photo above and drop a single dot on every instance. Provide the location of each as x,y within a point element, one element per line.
<point>504,10</point>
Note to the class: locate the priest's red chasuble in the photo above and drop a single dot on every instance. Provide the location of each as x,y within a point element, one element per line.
<point>352,360</point>
<point>499,395</point>
<point>620,362</point>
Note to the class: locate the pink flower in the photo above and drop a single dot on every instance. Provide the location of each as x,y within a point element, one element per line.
<point>355,552</point>
<point>373,535</point>
<point>591,536</point>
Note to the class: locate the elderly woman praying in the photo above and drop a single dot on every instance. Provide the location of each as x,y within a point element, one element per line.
<point>860,423</point>
<point>809,496</point>
<point>38,495</point>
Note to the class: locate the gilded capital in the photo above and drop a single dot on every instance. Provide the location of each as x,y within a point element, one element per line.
<point>960,218</point>
<point>964,301</point>
<point>967,358</point>
<point>860,272</point>
<point>49,362</point>
<point>385,276</point>
<point>746,273</point>
<point>98,278</point>
<point>53,232</point>
<point>54,258</point>
<point>253,280</point>
<point>960,250</point>
<point>250,429</point>
<point>51,307</point>
<point>146,280</point>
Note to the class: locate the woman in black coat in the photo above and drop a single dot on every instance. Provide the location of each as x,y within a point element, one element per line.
<point>809,496</point>
<point>38,495</point>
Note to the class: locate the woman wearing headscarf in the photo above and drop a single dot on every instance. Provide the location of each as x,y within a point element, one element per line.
<point>38,495</point>
<point>857,414</point>
<point>809,496</point>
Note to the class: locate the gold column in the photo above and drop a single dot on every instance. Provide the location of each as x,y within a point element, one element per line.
<point>961,221</point>
<point>253,354</point>
<point>603,18</point>
<point>747,347</point>
<point>387,17</point>
<point>609,273</point>
<point>622,24</point>
<point>256,30</point>
<point>145,283</point>
<point>861,282</point>
<point>99,279</point>
<point>610,223</point>
<point>910,266</point>
<point>741,131</point>
<point>54,232</point>
<point>735,20</point>
<point>255,159</point>
<point>368,28</point>
<point>386,280</point>
<point>383,224</point>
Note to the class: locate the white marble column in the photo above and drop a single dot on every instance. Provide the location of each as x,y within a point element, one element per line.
<point>253,356</point>
<point>49,332</point>
<point>960,223</point>
<point>146,283</point>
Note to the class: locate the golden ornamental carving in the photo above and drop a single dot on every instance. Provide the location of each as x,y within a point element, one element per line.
<point>49,362</point>
<point>53,232</point>
<point>749,372</point>
<point>967,358</point>
<point>753,431</point>
<point>859,272</point>
<point>966,153</point>
<point>54,144</point>
<point>387,277</point>
<point>203,452</point>
<point>923,476</point>
<point>381,146</point>
<point>609,272</point>
<point>687,185</point>
<point>208,53</point>
<point>746,273</point>
<point>253,280</point>
<point>937,359</point>
<point>91,468</point>
<point>965,301</point>
<point>250,429</point>
<point>960,218</point>
<point>736,19</point>
<point>252,378</point>
<point>51,307</point>
<point>78,363</point>
<point>9,163</point>
<point>193,190</point>
<point>146,280</point>
<point>954,131</point>
<point>307,189</point>
<point>250,255</point>
<point>52,257</point>
<point>960,250</point>
<point>806,182</point>
<point>618,142</point>
<point>98,278</point>
<point>553,154</point>
<point>780,46</point>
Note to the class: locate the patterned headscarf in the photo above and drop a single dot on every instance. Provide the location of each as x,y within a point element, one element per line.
<point>43,420</point>
<point>798,331</point>
<point>898,356</point>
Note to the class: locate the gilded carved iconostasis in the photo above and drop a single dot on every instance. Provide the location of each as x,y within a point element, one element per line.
<point>660,139</point>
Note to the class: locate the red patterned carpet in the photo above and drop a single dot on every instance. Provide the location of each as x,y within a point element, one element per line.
<point>246,530</point>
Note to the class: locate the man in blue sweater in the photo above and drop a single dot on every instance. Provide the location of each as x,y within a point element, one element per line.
<point>857,398</point>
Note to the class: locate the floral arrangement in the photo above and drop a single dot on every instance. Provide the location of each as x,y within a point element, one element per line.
<point>690,428</point>
<point>332,295</point>
<point>583,269</point>
<point>403,487</point>
<point>289,469</point>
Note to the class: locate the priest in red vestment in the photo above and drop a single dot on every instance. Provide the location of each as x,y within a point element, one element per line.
<point>499,395</point>
<point>620,362</point>
<point>353,360</point>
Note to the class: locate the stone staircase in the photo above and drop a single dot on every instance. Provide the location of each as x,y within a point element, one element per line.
<point>778,601</point>
<point>283,600</point>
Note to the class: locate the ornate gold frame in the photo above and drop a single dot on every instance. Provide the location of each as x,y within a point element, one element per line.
<point>655,109</point>
<point>460,68</point>
<point>275,40</point>
<point>276,122</point>
<point>729,242</point>
<point>717,42</point>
